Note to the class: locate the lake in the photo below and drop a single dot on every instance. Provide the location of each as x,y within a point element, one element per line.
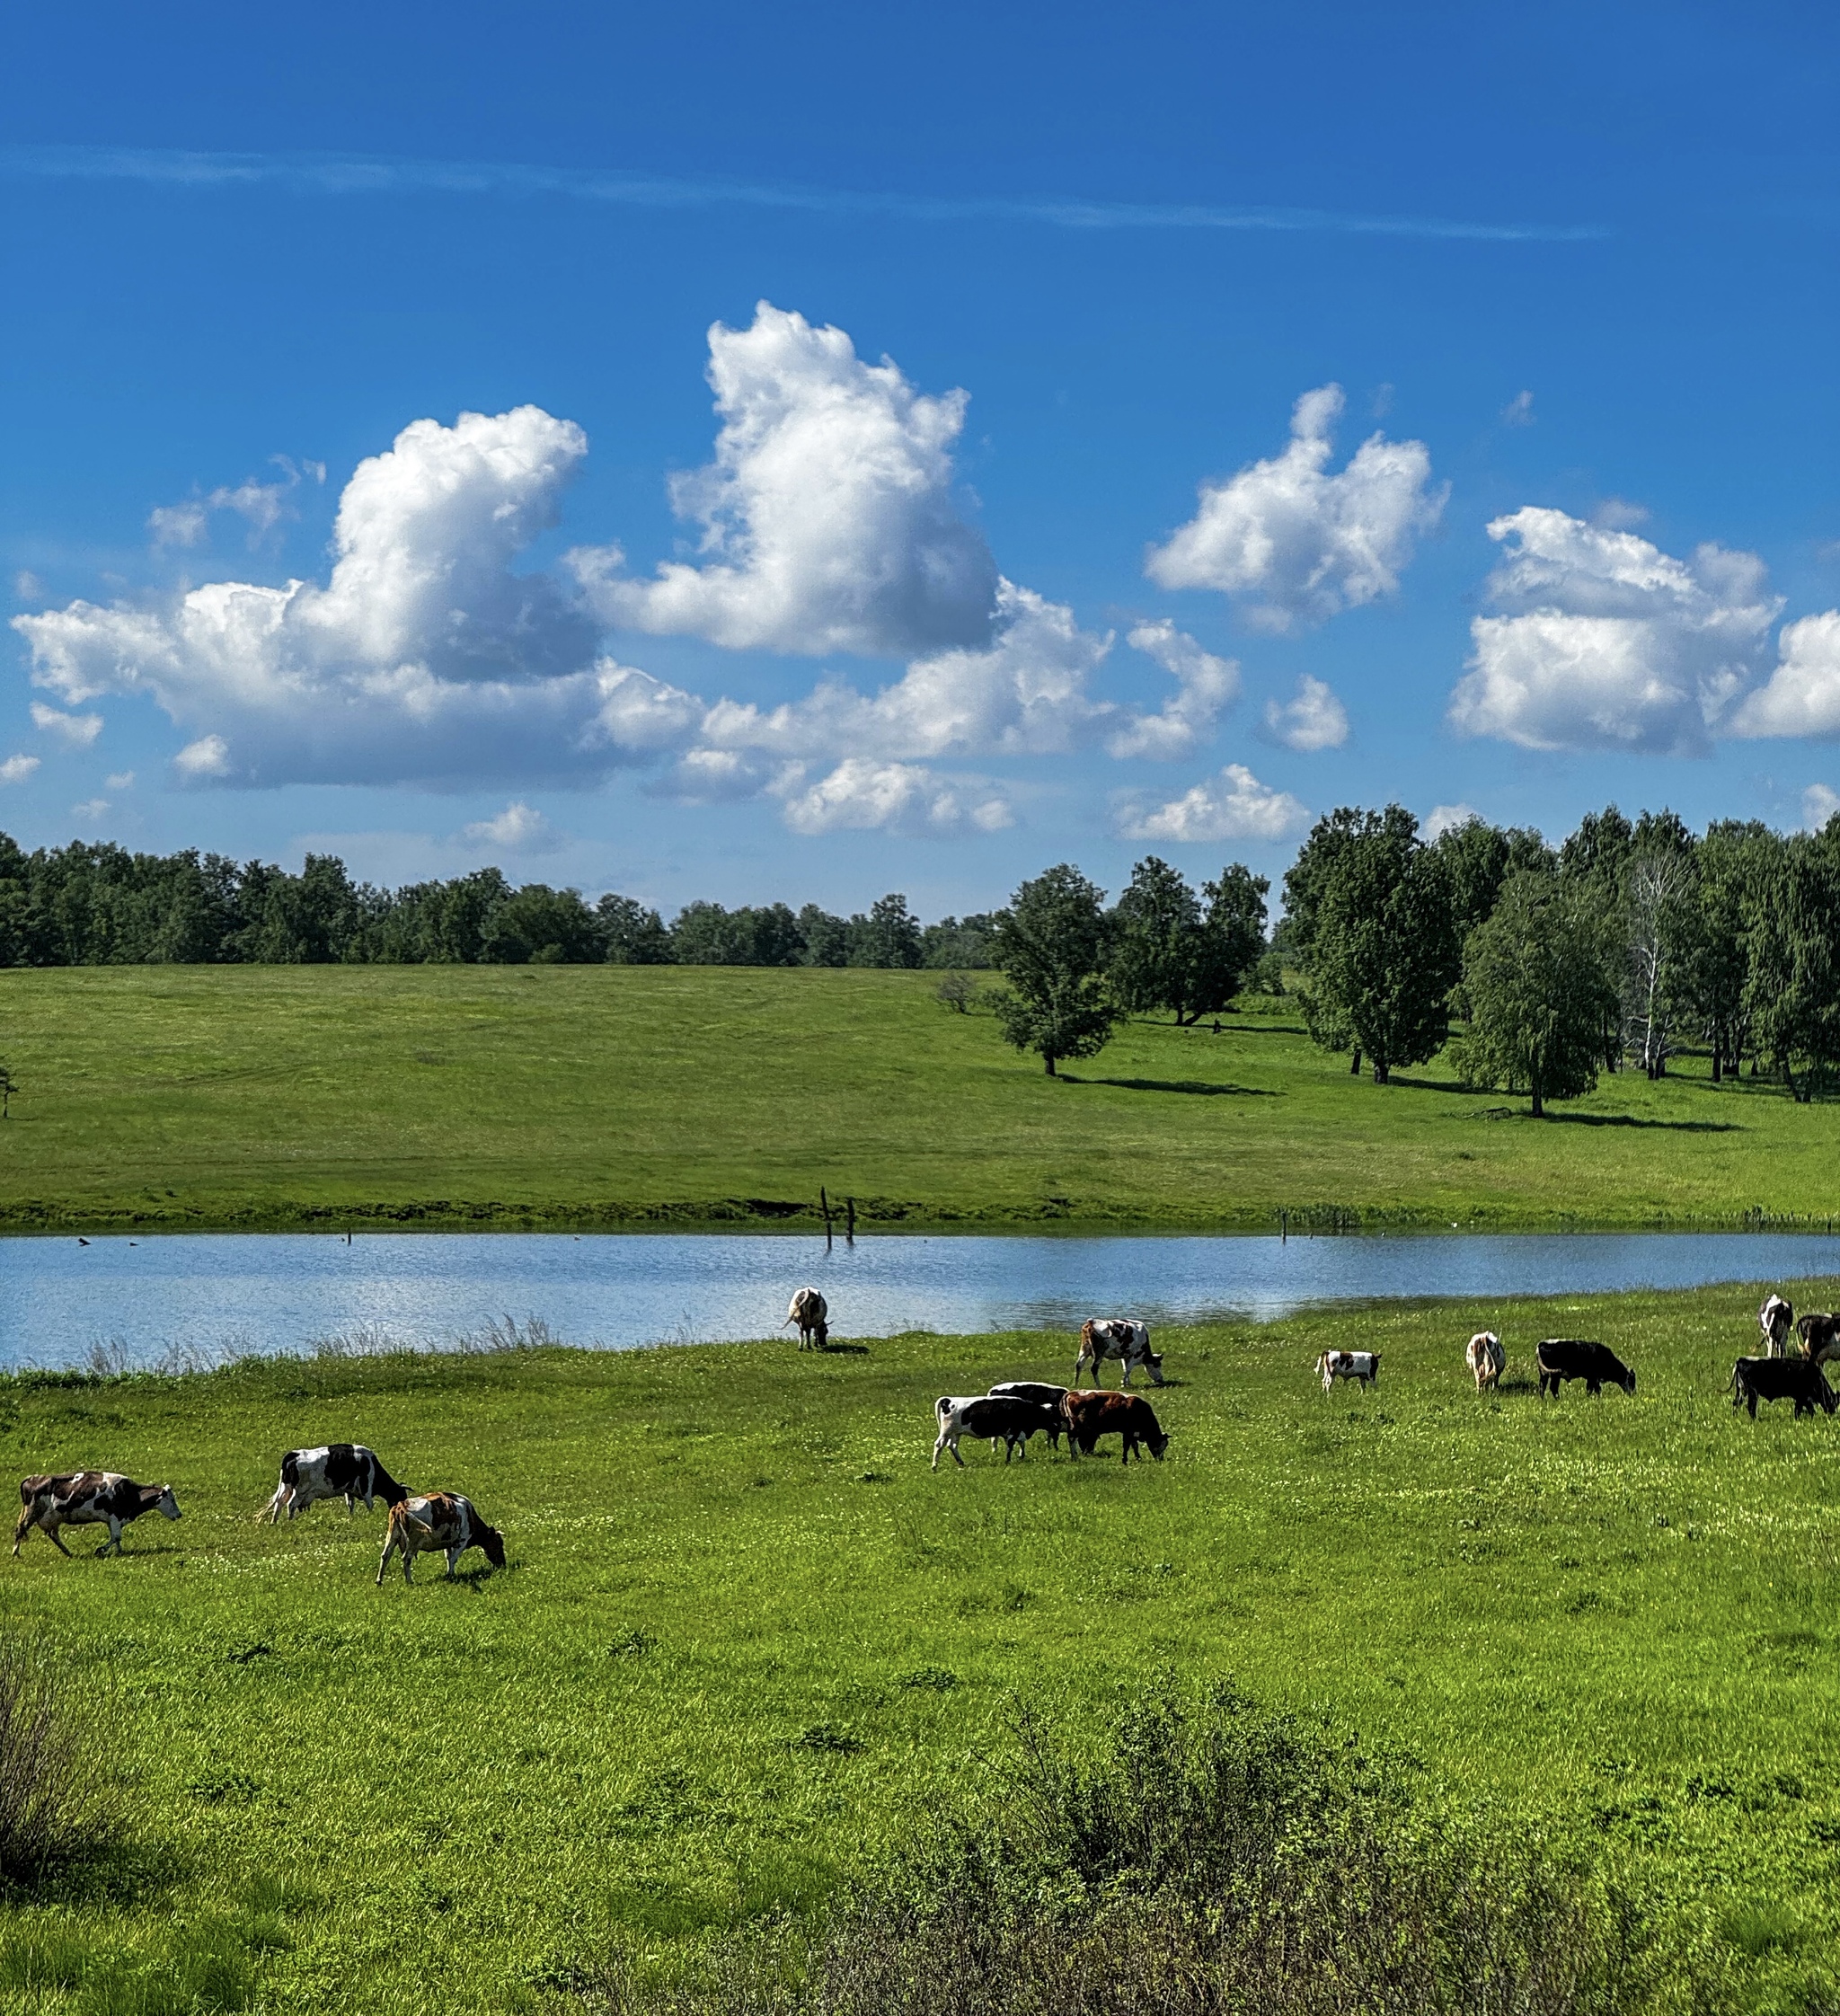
<point>195,1298</point>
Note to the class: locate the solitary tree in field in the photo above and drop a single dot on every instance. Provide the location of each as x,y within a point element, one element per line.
<point>1536,992</point>
<point>1051,944</point>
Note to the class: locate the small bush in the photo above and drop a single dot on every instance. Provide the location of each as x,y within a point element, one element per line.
<point>55,1807</point>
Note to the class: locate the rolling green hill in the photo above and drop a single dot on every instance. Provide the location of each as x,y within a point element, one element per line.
<point>451,1096</point>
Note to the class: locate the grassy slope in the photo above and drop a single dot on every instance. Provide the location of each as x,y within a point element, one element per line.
<point>703,1684</point>
<point>268,1095</point>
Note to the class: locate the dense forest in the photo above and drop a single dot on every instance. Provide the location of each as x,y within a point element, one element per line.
<point>1630,941</point>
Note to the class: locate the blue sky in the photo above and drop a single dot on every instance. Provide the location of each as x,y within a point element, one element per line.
<point>1162,425</point>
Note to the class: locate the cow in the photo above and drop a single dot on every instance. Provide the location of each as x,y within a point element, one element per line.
<point>87,1498</point>
<point>346,1470</point>
<point>1037,1390</point>
<point>1486,1359</point>
<point>1559,1358</point>
<point>1800,1380</point>
<point>1820,1336</point>
<point>1129,1416</point>
<point>809,1311</point>
<point>442,1523</point>
<point>1775,1319</point>
<point>1118,1337</point>
<point>1362,1366</point>
<point>997,1418</point>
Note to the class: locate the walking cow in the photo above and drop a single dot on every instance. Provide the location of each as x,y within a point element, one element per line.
<point>88,1498</point>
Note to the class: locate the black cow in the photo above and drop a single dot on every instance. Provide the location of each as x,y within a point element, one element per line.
<point>1800,1380</point>
<point>1561,1358</point>
<point>1042,1392</point>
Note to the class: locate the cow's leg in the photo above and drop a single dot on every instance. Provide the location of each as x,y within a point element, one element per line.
<point>389,1549</point>
<point>454,1554</point>
<point>114,1539</point>
<point>21,1530</point>
<point>937,1446</point>
<point>1751,1396</point>
<point>1125,1380</point>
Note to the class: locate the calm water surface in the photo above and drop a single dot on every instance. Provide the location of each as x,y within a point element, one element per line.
<point>148,1299</point>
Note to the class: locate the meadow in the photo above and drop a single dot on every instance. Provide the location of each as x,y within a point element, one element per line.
<point>277,1097</point>
<point>746,1636</point>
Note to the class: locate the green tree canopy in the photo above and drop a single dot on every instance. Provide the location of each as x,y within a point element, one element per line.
<point>1384,953</point>
<point>1052,944</point>
<point>1536,993</point>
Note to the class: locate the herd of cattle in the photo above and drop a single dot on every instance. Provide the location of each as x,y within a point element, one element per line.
<point>445,1523</point>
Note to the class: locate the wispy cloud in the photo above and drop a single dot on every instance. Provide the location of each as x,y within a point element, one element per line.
<point>324,174</point>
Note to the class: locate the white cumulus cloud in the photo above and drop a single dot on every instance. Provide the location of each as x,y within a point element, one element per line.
<point>1234,806</point>
<point>1314,720</point>
<point>1446,818</point>
<point>1802,694</point>
<point>520,828</point>
<point>262,506</point>
<point>861,795</point>
<point>92,809</point>
<point>1206,685</point>
<point>1820,802</point>
<point>828,518</point>
<point>120,781</point>
<point>16,769</point>
<point>1609,643</point>
<point>1297,542</point>
<point>78,730</point>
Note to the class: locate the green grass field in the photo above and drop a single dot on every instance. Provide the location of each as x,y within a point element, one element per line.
<point>456,1096</point>
<point>745,1633</point>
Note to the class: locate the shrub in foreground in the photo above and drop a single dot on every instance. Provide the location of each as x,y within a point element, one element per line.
<point>1209,1859</point>
<point>54,1802</point>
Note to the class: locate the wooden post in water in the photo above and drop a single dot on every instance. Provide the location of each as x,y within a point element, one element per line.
<point>850,1224</point>
<point>823,1205</point>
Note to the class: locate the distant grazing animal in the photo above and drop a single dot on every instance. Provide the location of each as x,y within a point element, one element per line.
<point>1486,1359</point>
<point>1559,1358</point>
<point>1118,1337</point>
<point>1820,1336</point>
<point>87,1498</point>
<point>1363,1365</point>
<point>1129,1416</point>
<point>1038,1390</point>
<point>346,1470</point>
<point>442,1523</point>
<point>994,1418</point>
<point>1800,1380</point>
<point>1775,1319</point>
<point>810,1311</point>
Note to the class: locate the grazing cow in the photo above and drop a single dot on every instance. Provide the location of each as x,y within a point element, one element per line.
<point>1820,1336</point>
<point>1120,1337</point>
<point>1037,1390</point>
<point>442,1523</point>
<point>1363,1365</point>
<point>1800,1380</point>
<point>87,1498</point>
<point>346,1470</point>
<point>1486,1359</point>
<point>996,1418</point>
<point>1559,1358</point>
<point>1775,1319</point>
<point>809,1311</point>
<point>1129,1416</point>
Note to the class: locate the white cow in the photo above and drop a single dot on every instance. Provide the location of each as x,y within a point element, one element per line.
<point>810,1311</point>
<point>1362,1366</point>
<point>1775,1319</point>
<point>1486,1359</point>
<point>1118,1337</point>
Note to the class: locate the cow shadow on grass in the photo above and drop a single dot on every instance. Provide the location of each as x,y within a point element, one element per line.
<point>1637,1120</point>
<point>844,1350</point>
<point>1197,1088</point>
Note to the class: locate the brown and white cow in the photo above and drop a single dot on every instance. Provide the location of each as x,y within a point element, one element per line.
<point>88,1498</point>
<point>442,1523</point>
<point>810,1311</point>
<point>1123,1337</point>
<point>1820,1336</point>
<point>1775,1319</point>
<point>1486,1359</point>
<point>346,1470</point>
<point>1362,1366</point>
<point>1129,1416</point>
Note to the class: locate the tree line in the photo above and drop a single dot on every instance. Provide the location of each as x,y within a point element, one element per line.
<point>1541,966</point>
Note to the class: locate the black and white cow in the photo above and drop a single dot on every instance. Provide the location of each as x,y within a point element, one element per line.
<point>1116,1337</point>
<point>992,1417</point>
<point>1775,1319</point>
<point>1800,1380</point>
<point>1486,1359</point>
<point>1820,1336</point>
<point>1042,1392</point>
<point>442,1523</point>
<point>812,1313</point>
<point>1559,1358</point>
<point>88,1498</point>
<point>346,1470</point>
<point>1362,1366</point>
